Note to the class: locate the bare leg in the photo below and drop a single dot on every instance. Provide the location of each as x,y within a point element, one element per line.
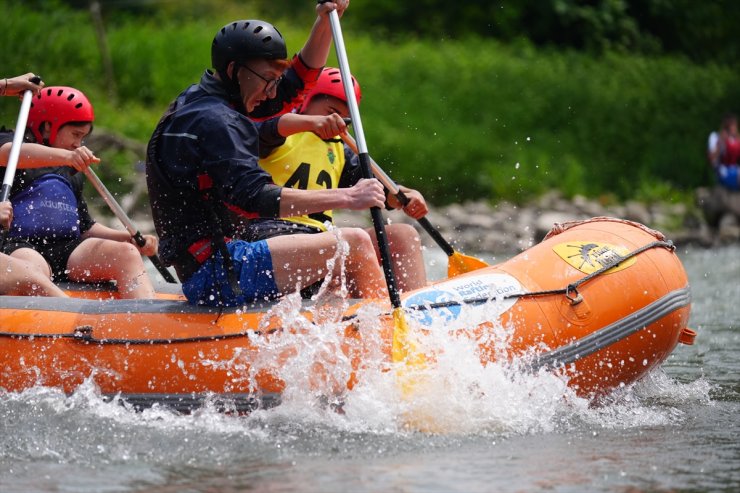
<point>34,259</point>
<point>408,260</point>
<point>19,277</point>
<point>97,259</point>
<point>302,259</point>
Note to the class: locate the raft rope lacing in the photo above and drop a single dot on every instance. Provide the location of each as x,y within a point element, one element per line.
<point>570,291</point>
<point>84,333</point>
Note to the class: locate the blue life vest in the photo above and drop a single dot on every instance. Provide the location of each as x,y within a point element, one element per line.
<point>46,209</point>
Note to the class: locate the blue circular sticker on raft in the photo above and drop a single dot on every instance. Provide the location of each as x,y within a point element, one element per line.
<point>427,298</point>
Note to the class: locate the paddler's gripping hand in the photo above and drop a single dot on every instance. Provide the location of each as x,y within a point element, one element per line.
<point>324,7</point>
<point>6,215</point>
<point>81,158</point>
<point>16,86</point>
<point>150,246</point>
<point>327,126</point>
<point>365,194</point>
<point>417,206</point>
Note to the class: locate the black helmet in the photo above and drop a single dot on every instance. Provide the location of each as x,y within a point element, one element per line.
<point>243,40</point>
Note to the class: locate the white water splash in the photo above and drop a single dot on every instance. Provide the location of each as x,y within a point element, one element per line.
<point>460,395</point>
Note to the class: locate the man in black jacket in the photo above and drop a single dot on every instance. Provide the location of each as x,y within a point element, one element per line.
<point>203,169</point>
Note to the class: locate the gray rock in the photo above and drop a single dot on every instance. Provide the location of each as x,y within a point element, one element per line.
<point>729,229</point>
<point>636,211</point>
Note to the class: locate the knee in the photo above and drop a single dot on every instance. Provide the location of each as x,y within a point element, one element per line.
<point>403,238</point>
<point>403,232</point>
<point>126,253</point>
<point>358,239</point>
<point>32,260</point>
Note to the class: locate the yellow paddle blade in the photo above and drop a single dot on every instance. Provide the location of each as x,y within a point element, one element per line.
<point>457,264</point>
<point>413,379</point>
<point>406,352</point>
<point>404,348</point>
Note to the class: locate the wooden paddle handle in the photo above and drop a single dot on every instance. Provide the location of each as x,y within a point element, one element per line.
<point>121,215</point>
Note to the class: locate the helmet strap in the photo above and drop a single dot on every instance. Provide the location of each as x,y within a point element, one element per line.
<point>231,85</point>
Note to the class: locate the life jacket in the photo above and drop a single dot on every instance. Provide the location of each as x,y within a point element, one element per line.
<point>46,210</point>
<point>307,162</point>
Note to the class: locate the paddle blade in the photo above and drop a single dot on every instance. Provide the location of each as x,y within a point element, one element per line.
<point>457,264</point>
<point>407,354</point>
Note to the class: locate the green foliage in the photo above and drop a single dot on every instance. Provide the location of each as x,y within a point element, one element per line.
<point>457,119</point>
<point>702,30</point>
<point>67,51</point>
<point>517,121</point>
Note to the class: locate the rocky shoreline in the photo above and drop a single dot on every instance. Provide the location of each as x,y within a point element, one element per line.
<point>502,227</point>
<point>506,228</point>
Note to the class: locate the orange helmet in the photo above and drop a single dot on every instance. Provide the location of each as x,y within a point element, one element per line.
<point>330,84</point>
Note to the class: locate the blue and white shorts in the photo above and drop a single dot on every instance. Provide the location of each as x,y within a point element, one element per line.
<point>252,267</point>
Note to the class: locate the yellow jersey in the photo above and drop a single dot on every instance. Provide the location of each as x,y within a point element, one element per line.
<point>307,162</point>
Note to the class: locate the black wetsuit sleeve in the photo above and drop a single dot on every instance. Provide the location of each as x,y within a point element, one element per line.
<point>230,150</point>
<point>270,138</point>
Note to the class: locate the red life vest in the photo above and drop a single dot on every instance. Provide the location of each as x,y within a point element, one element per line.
<point>731,152</point>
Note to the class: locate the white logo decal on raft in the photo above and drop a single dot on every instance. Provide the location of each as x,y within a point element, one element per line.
<point>484,296</point>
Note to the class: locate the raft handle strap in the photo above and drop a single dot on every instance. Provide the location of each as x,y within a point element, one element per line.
<point>571,292</point>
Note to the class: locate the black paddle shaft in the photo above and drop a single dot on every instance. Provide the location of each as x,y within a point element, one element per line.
<point>385,253</point>
<point>139,239</point>
<point>364,158</point>
<point>424,222</point>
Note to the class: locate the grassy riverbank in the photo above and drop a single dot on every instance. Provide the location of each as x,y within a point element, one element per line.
<point>471,119</point>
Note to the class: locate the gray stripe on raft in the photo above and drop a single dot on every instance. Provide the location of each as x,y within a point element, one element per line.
<point>632,323</point>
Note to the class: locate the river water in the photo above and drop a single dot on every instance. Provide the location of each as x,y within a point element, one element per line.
<point>677,431</point>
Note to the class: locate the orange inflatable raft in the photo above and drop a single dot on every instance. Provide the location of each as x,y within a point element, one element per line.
<point>601,301</point>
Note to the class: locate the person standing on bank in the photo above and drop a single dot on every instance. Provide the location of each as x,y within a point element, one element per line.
<point>723,153</point>
<point>202,167</point>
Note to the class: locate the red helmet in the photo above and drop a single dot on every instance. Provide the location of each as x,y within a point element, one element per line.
<point>330,84</point>
<point>59,106</point>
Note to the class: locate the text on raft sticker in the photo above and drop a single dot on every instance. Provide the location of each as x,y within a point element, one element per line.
<point>487,295</point>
